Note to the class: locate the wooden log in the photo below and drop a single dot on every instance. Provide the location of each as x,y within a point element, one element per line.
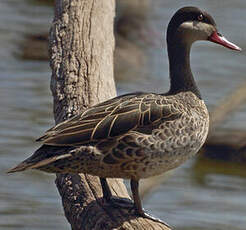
<point>227,107</point>
<point>228,137</point>
<point>225,144</point>
<point>81,58</point>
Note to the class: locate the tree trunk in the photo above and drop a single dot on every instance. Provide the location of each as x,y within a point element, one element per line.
<point>81,58</point>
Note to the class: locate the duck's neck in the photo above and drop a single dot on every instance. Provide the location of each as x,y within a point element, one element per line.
<point>181,77</point>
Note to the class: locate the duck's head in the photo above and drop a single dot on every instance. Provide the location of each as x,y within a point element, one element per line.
<point>190,24</point>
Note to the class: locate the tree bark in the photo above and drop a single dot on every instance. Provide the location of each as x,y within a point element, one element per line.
<point>81,59</point>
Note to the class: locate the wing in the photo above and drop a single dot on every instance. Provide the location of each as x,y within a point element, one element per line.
<point>110,119</point>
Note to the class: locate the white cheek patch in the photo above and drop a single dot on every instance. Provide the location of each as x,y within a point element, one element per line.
<point>196,30</point>
<point>187,26</point>
<point>204,27</point>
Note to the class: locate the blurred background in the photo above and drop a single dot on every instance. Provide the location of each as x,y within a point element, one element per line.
<point>208,192</point>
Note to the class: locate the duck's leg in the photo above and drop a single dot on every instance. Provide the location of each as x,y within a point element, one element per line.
<point>115,201</point>
<point>107,195</point>
<point>138,205</point>
<point>136,197</point>
<point>127,203</point>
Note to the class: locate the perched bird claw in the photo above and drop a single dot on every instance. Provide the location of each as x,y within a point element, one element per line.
<point>126,203</point>
<point>155,219</point>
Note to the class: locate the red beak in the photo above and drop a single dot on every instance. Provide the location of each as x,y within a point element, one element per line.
<point>218,38</point>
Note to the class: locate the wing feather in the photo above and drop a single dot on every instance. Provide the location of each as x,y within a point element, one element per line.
<point>110,119</point>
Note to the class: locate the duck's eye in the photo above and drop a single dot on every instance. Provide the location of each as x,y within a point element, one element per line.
<point>200,17</point>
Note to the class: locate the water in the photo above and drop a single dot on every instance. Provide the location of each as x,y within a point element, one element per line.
<point>200,195</point>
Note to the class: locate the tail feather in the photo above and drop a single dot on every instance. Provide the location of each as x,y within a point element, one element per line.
<point>42,138</point>
<point>33,165</point>
<point>39,159</point>
<point>20,167</point>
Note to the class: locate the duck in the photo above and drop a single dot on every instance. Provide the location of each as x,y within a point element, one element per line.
<point>137,135</point>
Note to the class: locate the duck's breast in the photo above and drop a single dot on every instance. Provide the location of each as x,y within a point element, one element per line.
<point>182,138</point>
